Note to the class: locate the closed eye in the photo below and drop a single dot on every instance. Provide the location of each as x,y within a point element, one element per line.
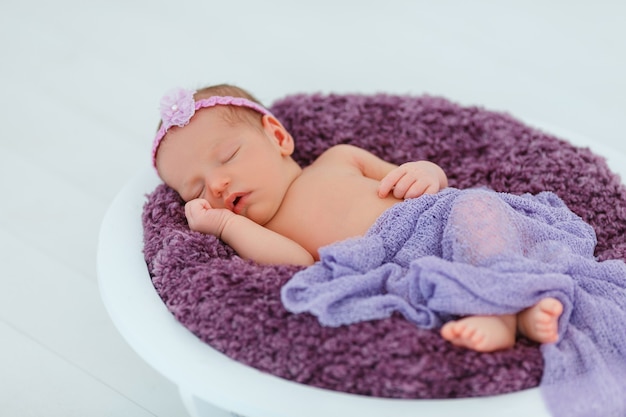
<point>232,155</point>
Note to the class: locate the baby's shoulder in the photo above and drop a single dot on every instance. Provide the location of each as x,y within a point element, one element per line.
<point>342,154</point>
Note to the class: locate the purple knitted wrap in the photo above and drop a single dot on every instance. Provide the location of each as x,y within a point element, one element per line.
<point>234,305</point>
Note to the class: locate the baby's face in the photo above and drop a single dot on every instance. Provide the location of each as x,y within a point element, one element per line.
<point>239,167</point>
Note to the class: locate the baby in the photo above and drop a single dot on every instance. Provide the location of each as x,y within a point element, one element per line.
<point>230,159</point>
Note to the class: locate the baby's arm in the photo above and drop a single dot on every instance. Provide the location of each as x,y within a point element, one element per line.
<point>408,180</point>
<point>249,239</point>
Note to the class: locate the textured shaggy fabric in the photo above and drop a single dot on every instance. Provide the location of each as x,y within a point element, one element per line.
<point>474,251</point>
<point>235,306</point>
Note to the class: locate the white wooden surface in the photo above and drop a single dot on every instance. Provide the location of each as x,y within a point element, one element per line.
<point>79,88</point>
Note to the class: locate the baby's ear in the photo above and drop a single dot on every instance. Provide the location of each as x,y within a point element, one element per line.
<point>277,132</point>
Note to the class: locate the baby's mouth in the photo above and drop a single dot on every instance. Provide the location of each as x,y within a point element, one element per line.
<point>235,203</point>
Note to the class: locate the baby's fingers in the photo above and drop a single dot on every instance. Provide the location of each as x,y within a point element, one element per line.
<point>196,206</point>
<point>405,185</point>
<point>417,189</point>
<point>432,188</point>
<point>389,182</point>
<point>420,187</point>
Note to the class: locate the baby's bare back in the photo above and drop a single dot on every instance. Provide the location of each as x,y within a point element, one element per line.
<point>329,203</point>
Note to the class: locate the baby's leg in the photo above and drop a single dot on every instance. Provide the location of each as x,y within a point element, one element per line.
<point>540,322</point>
<point>482,333</point>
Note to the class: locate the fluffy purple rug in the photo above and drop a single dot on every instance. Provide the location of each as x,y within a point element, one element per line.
<point>234,305</point>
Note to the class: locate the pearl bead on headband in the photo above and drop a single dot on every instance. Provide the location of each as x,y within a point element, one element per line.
<point>178,107</point>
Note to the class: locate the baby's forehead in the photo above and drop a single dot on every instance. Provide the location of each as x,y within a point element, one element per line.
<point>228,117</point>
<point>212,127</point>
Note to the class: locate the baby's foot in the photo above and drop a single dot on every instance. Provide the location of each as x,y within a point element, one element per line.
<point>540,322</point>
<point>481,333</point>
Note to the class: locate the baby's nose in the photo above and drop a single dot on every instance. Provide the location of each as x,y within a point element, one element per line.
<point>218,186</point>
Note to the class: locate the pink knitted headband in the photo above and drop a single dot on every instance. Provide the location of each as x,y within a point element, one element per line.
<point>178,107</point>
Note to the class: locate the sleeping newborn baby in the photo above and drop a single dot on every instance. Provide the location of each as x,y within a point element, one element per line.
<point>230,159</point>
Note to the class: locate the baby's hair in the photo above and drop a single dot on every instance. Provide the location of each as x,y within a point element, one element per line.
<point>232,114</point>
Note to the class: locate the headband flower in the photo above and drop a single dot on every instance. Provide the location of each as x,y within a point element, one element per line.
<point>177,107</point>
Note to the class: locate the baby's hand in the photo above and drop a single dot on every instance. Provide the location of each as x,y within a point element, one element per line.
<point>205,219</point>
<point>413,179</point>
